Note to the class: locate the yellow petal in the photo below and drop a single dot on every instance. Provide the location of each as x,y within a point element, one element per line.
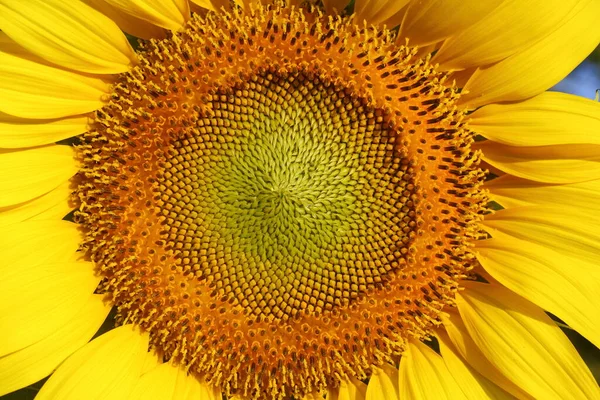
<point>491,39</point>
<point>126,22</point>
<point>377,11</point>
<point>69,34</point>
<point>564,229</point>
<point>383,384</point>
<point>461,77</point>
<point>7,45</point>
<point>20,132</point>
<point>349,389</point>
<point>430,21</point>
<point>10,47</point>
<point>473,385</point>
<point>566,286</point>
<point>511,191</point>
<point>210,392</point>
<point>151,361</point>
<point>335,6</point>
<point>206,4</point>
<point>165,382</point>
<point>32,363</point>
<point>52,205</point>
<point>190,388</point>
<point>524,343</point>
<point>38,242</point>
<point>540,66</point>
<point>548,119</point>
<point>468,350</point>
<point>27,174</point>
<point>169,14</point>
<point>32,90</point>
<point>218,5</point>
<point>57,211</point>
<point>423,375</point>
<point>551,164</point>
<point>48,296</point>
<point>107,368</point>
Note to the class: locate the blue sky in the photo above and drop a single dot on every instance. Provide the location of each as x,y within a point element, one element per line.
<point>583,81</point>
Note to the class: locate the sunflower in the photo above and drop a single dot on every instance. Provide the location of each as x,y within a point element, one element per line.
<point>304,200</point>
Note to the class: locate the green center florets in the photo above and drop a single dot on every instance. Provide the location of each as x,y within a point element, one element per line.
<point>292,188</point>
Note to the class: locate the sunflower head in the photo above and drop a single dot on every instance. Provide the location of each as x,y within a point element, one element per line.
<point>281,204</point>
<point>282,201</point>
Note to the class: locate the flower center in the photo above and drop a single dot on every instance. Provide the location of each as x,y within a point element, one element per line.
<point>281,199</point>
<point>293,190</point>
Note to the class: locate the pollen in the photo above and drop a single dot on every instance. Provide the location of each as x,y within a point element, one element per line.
<point>281,199</point>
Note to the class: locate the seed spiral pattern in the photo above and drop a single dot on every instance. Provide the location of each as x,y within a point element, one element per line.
<point>280,198</point>
<point>294,196</point>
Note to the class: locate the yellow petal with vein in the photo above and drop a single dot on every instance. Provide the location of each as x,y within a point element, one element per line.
<point>551,164</point>
<point>429,21</point>
<point>56,211</point>
<point>560,228</point>
<point>128,23</point>
<point>511,191</point>
<point>491,40</point>
<point>151,361</point>
<point>107,368</point>
<point>547,119</point>
<point>32,363</point>
<point>169,14</point>
<point>540,66</point>
<point>48,296</point>
<point>210,392</point>
<point>524,343</point>
<point>27,174</point>
<point>473,384</point>
<point>52,205</point>
<point>166,382</point>
<point>468,350</point>
<point>32,90</point>
<point>69,34</point>
<point>18,132</point>
<point>566,286</point>
<point>383,384</point>
<point>378,11</point>
<point>349,389</point>
<point>206,4</point>
<point>218,5</point>
<point>7,45</point>
<point>423,375</point>
<point>37,242</point>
